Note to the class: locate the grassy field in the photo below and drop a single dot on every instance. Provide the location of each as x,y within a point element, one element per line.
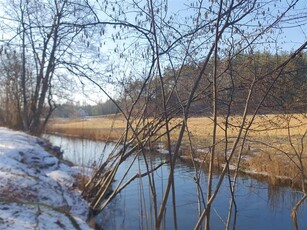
<point>111,127</point>
<point>98,128</point>
<point>268,147</point>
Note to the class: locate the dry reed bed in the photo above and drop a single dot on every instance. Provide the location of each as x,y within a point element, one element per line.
<point>267,149</point>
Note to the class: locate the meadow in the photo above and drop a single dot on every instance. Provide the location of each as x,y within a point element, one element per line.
<point>275,144</point>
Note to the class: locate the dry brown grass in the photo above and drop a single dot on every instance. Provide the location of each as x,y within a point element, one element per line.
<point>266,131</point>
<point>200,127</point>
<point>102,128</point>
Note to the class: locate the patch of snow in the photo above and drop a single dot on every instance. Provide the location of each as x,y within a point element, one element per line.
<point>32,216</point>
<point>202,150</point>
<point>30,175</point>
<point>61,177</point>
<point>231,167</point>
<point>83,170</point>
<point>161,148</point>
<point>163,151</point>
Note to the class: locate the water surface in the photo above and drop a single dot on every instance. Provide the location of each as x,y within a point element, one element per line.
<point>260,205</point>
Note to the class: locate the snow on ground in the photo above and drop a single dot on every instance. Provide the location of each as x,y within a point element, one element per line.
<point>35,187</point>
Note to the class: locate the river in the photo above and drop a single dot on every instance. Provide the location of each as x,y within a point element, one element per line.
<point>260,205</point>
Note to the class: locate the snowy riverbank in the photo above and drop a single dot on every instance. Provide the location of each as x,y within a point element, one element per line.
<point>36,189</point>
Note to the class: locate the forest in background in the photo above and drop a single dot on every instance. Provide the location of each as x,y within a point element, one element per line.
<point>287,96</point>
<point>78,110</point>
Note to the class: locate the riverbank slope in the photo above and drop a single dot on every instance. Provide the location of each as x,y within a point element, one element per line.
<point>37,190</point>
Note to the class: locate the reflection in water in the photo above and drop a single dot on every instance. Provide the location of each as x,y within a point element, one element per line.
<point>277,197</point>
<point>82,151</point>
<point>260,206</point>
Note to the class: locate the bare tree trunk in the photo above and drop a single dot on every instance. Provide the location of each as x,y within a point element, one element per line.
<point>35,126</point>
<point>25,118</point>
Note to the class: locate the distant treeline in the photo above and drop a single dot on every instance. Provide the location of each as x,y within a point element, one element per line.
<point>70,110</point>
<point>287,92</point>
<point>235,76</point>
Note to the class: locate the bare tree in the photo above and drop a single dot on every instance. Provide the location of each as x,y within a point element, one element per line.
<point>173,62</point>
<point>45,40</point>
<point>204,41</point>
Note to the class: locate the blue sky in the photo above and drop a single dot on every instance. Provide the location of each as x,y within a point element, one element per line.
<point>289,39</point>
